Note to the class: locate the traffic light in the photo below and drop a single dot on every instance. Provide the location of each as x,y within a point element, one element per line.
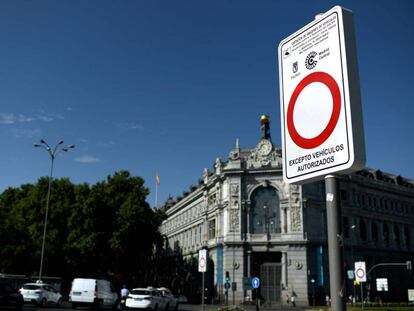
<point>227,276</point>
<point>313,279</point>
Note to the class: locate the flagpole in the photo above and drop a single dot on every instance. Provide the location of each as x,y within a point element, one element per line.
<point>156,194</point>
<point>157,181</point>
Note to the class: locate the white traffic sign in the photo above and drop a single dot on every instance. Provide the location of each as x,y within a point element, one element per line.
<point>202,260</point>
<point>410,294</point>
<point>320,104</point>
<point>382,285</point>
<point>360,271</point>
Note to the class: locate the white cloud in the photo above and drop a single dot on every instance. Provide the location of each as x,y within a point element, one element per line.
<point>11,118</point>
<point>22,118</point>
<point>87,159</point>
<point>44,118</point>
<point>19,132</point>
<point>130,126</point>
<point>7,118</point>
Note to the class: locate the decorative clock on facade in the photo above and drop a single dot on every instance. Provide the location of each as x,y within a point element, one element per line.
<point>264,147</point>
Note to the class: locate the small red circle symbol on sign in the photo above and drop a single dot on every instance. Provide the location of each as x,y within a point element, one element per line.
<point>360,273</point>
<point>329,81</point>
<point>202,262</point>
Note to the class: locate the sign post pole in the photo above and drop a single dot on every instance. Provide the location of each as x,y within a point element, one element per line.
<point>333,215</point>
<point>202,267</point>
<point>202,291</point>
<point>257,300</point>
<point>255,285</point>
<point>362,296</point>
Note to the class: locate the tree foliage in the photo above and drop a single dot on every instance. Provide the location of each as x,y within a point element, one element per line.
<point>107,229</point>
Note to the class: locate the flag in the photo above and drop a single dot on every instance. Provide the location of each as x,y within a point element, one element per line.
<point>157,179</point>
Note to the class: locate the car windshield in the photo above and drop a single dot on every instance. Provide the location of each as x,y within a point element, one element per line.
<point>140,292</point>
<point>31,286</point>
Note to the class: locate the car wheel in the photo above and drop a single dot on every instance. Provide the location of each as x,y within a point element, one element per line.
<point>74,306</point>
<point>167,306</point>
<point>116,306</point>
<point>58,303</point>
<point>42,304</point>
<point>156,308</point>
<point>176,307</point>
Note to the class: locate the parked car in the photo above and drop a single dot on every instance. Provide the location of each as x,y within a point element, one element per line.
<point>94,293</point>
<point>171,301</point>
<point>145,298</point>
<point>10,297</point>
<point>40,294</point>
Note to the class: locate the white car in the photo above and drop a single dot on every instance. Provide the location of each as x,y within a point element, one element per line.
<point>40,294</point>
<point>172,301</point>
<point>145,298</point>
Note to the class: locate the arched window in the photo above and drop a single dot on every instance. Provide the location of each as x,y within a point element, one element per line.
<point>407,236</point>
<point>362,230</point>
<point>386,234</point>
<point>396,235</point>
<point>265,217</point>
<point>374,232</point>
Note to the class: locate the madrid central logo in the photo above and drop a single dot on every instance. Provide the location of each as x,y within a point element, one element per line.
<point>310,61</point>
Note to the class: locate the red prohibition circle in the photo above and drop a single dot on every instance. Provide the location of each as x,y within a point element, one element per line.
<point>360,275</point>
<point>329,81</point>
<point>202,262</point>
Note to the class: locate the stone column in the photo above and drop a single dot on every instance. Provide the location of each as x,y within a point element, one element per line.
<point>247,208</point>
<point>284,204</point>
<point>284,269</point>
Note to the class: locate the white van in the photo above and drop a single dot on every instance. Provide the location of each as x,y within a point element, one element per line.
<point>93,292</point>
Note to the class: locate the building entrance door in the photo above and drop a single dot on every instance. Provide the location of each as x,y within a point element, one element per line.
<point>270,274</point>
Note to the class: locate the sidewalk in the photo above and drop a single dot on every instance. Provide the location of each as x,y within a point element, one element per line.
<point>209,307</point>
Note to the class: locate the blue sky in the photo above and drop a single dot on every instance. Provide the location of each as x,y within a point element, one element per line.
<point>168,86</point>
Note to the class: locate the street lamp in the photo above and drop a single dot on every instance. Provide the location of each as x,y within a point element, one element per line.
<point>53,153</point>
<point>353,227</point>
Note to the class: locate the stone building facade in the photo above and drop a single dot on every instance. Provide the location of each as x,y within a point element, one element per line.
<point>254,224</point>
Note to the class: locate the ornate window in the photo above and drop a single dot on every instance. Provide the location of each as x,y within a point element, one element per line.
<point>265,217</point>
<point>362,230</point>
<point>212,229</point>
<point>396,235</point>
<point>407,236</point>
<point>385,234</point>
<point>374,232</point>
<point>345,221</point>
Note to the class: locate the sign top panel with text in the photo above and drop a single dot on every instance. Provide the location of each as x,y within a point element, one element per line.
<point>321,113</point>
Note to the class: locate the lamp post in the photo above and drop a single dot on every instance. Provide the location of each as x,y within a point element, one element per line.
<point>53,153</point>
<point>353,259</point>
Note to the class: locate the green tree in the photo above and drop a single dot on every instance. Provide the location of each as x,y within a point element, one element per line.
<point>107,229</point>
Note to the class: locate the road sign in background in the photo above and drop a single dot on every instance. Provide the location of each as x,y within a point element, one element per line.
<point>202,260</point>
<point>320,104</point>
<point>410,294</point>
<point>247,283</point>
<point>382,285</point>
<point>255,282</point>
<point>360,271</point>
